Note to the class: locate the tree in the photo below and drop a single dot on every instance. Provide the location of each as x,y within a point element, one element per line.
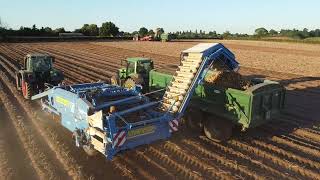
<point>273,32</point>
<point>60,30</point>
<point>143,31</point>
<point>90,30</point>
<point>226,34</point>
<point>158,32</point>
<point>261,32</point>
<point>151,32</point>
<point>108,29</point>
<point>93,30</point>
<point>85,29</point>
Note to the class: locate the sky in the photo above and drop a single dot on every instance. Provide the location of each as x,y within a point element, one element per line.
<point>242,16</point>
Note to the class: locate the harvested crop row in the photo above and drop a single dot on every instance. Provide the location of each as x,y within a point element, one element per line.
<point>53,148</point>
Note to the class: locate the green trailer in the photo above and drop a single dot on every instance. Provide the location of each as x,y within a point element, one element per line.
<point>223,108</point>
<point>217,109</point>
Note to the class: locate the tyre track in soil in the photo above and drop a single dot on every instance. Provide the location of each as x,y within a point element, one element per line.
<point>54,151</point>
<point>42,161</point>
<point>14,161</point>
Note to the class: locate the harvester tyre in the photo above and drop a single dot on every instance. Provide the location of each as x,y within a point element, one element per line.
<point>218,130</point>
<point>89,150</point>
<point>27,90</point>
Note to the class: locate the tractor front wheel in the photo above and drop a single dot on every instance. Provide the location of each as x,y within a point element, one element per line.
<point>27,90</point>
<point>130,83</point>
<point>217,129</point>
<point>114,80</point>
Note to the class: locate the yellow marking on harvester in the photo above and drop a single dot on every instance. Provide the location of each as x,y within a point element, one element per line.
<point>141,131</point>
<point>62,101</point>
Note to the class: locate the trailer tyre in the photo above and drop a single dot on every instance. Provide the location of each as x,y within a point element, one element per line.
<point>89,150</point>
<point>218,130</point>
<point>194,119</point>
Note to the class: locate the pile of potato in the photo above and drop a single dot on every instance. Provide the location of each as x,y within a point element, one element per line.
<point>227,79</point>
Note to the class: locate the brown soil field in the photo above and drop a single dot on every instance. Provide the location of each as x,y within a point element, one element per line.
<point>293,58</point>
<point>34,146</point>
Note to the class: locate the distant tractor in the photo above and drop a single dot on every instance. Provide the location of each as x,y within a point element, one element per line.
<point>147,38</point>
<point>37,70</point>
<point>165,37</point>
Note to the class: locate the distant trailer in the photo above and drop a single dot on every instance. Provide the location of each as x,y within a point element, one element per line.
<point>71,34</point>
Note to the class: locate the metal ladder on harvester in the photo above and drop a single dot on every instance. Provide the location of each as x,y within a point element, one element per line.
<point>195,62</point>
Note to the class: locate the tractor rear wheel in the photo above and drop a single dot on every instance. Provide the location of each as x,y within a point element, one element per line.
<point>27,90</point>
<point>217,129</point>
<point>18,81</point>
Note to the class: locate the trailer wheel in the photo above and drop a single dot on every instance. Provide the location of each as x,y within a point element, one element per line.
<point>26,90</point>
<point>217,129</point>
<point>194,119</point>
<point>89,150</point>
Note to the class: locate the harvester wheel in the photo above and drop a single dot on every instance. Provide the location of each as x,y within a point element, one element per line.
<point>218,130</point>
<point>27,90</point>
<point>89,150</point>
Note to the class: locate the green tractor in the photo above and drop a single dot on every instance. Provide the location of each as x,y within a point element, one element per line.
<point>37,71</point>
<point>135,72</point>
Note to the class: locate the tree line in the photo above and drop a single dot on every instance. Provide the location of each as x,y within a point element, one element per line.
<point>109,29</point>
<point>294,33</point>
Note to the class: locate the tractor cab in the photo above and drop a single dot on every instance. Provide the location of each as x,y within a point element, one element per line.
<point>38,62</point>
<point>37,71</point>
<point>135,71</point>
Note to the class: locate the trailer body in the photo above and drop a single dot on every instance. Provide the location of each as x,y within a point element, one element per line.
<point>249,108</point>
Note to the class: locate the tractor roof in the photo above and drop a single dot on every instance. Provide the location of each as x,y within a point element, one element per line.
<point>141,59</point>
<point>38,55</point>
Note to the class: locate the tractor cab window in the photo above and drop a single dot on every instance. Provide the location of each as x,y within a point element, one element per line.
<point>41,63</point>
<point>144,67</point>
<point>130,67</point>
